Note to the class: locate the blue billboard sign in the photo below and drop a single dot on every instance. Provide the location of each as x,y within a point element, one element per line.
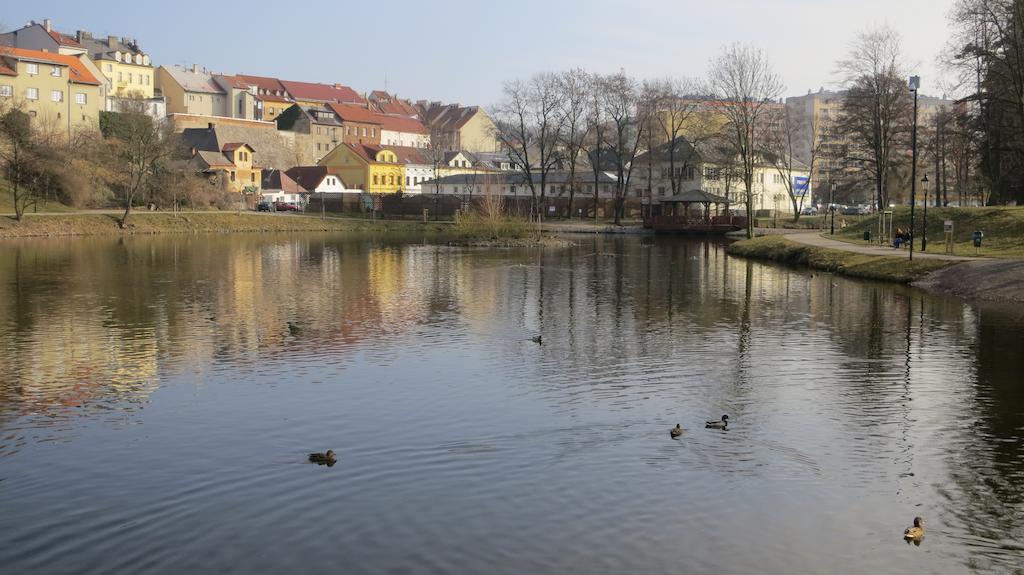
<point>801,186</point>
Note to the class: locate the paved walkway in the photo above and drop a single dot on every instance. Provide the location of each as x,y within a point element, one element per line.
<point>814,238</point>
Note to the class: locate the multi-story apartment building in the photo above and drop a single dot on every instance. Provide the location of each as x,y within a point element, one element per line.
<point>456,127</point>
<point>813,119</point>
<point>191,91</point>
<point>58,92</point>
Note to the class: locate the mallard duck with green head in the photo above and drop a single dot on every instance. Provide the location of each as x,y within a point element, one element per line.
<point>721,424</point>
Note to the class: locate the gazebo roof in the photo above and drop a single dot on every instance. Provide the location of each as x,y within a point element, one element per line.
<point>696,197</point>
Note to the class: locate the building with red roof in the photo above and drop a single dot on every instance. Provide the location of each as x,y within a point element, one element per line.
<point>311,94</point>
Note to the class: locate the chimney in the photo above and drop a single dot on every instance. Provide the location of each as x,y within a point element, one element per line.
<point>47,24</point>
<point>195,68</point>
<point>111,41</point>
<point>209,126</point>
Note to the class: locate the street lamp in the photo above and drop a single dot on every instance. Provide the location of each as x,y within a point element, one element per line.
<point>915,85</point>
<point>832,205</point>
<point>924,228</point>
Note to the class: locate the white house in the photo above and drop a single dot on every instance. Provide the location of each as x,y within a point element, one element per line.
<point>316,180</point>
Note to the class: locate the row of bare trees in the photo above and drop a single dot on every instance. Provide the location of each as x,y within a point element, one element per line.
<point>576,120</point>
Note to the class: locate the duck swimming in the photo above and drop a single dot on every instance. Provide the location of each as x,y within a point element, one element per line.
<point>327,459</point>
<point>676,431</point>
<point>718,424</point>
<point>294,328</point>
<point>539,340</point>
<point>916,532</point>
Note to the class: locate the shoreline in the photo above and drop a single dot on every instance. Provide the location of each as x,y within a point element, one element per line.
<point>995,281</point>
<point>36,226</point>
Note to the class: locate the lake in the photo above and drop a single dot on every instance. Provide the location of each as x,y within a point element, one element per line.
<point>159,397</point>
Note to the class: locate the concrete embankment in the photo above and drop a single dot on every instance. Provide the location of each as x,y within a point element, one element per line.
<point>93,224</point>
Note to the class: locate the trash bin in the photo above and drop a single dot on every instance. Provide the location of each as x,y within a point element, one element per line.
<point>977,238</point>
<point>867,235</point>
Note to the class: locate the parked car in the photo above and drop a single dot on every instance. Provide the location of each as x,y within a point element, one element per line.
<point>809,211</point>
<point>850,211</point>
<point>263,207</point>
<point>287,207</point>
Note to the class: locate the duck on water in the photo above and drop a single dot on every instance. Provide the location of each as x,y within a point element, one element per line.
<point>722,424</point>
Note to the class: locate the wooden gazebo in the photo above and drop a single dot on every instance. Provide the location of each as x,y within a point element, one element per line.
<point>678,216</point>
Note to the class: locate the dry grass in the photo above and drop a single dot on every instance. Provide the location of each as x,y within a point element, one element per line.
<point>192,222</point>
<point>779,249</point>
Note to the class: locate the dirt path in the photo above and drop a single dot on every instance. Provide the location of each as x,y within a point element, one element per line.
<point>813,238</point>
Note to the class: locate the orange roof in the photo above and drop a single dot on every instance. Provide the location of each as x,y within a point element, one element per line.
<point>402,124</point>
<point>64,39</point>
<point>79,73</point>
<point>355,113</point>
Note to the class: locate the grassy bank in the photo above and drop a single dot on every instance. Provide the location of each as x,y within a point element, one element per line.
<point>1003,228</point>
<point>779,249</point>
<point>85,224</point>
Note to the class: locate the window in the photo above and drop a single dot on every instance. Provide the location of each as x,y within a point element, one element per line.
<point>318,146</point>
<point>691,173</point>
<point>364,132</point>
<point>80,99</point>
<point>7,91</point>
<point>252,177</point>
<point>407,180</point>
<point>32,69</point>
<point>373,132</point>
<point>120,76</point>
<point>110,67</point>
<point>375,179</point>
<point>232,176</point>
<point>55,72</point>
<point>32,94</point>
<point>661,190</point>
<point>131,78</point>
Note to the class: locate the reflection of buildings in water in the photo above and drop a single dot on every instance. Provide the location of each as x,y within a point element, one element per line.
<point>75,360</point>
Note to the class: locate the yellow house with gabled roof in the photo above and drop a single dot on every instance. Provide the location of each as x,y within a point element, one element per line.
<point>374,169</point>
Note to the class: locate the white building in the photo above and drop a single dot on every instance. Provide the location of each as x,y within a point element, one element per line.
<point>695,171</point>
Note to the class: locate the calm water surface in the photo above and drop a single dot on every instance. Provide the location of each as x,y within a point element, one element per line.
<point>156,409</point>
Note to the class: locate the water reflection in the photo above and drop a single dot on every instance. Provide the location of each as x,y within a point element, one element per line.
<point>855,403</point>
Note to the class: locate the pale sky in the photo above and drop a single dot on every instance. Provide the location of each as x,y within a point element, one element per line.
<point>463,51</point>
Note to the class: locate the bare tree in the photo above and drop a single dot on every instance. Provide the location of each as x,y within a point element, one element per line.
<point>138,145</point>
<point>627,113</point>
<point>745,82</point>
<point>18,153</point>
<point>679,111</point>
<point>779,152</point>
<point>574,87</point>
<point>529,126</point>
<point>876,107</point>
<point>596,142</point>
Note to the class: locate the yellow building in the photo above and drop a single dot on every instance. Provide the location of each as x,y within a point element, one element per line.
<point>58,92</point>
<point>128,70</point>
<point>374,169</point>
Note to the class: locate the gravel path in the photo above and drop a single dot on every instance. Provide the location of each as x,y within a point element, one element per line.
<point>813,238</point>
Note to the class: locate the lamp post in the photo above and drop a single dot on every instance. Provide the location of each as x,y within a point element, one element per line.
<point>924,228</point>
<point>832,205</point>
<point>915,85</point>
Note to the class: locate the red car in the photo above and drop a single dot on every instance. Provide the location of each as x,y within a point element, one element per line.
<point>287,207</point>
